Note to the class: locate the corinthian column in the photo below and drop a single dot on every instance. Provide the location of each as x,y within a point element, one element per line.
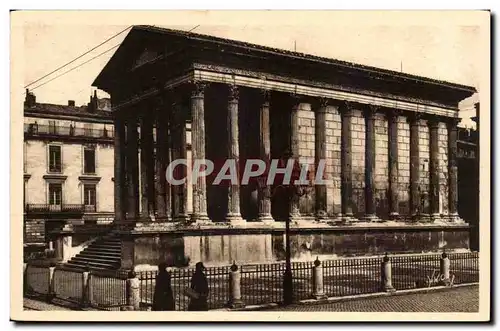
<point>370,213</point>
<point>294,147</point>
<point>147,178</point>
<point>434,167</point>
<point>198,150</point>
<point>264,193</point>
<point>233,214</point>
<point>415,204</point>
<point>179,151</point>
<point>453,169</point>
<point>163,202</point>
<point>132,169</point>
<point>119,170</point>
<point>320,154</point>
<point>393,165</point>
<point>346,161</point>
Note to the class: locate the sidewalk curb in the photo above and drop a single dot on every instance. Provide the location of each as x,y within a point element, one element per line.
<point>351,297</point>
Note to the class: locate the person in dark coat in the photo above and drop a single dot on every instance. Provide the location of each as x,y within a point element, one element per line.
<point>163,298</point>
<point>199,284</point>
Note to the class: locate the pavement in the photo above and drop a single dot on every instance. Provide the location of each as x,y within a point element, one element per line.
<point>460,299</point>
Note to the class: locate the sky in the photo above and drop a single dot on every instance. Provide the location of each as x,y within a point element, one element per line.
<point>448,51</point>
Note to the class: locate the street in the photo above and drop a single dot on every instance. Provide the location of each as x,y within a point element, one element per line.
<point>462,299</point>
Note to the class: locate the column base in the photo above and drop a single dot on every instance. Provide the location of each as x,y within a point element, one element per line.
<point>235,220</point>
<point>266,219</point>
<point>295,218</point>
<point>321,215</point>
<point>200,218</point>
<point>422,218</point>
<point>371,218</point>
<point>394,216</point>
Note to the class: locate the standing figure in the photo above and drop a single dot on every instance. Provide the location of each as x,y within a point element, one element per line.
<point>199,284</point>
<point>163,298</point>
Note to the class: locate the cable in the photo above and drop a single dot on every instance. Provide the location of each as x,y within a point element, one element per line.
<point>50,73</point>
<point>68,71</point>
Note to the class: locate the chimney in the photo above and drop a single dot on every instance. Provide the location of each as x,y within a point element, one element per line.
<point>30,99</point>
<point>71,103</point>
<point>92,105</point>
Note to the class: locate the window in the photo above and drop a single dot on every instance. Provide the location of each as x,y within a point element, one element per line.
<point>55,159</point>
<point>89,195</point>
<point>52,127</point>
<point>55,194</point>
<point>88,160</point>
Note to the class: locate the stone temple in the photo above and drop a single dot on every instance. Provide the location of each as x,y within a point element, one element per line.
<point>389,140</point>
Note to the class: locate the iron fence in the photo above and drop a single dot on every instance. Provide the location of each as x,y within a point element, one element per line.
<point>260,283</point>
<point>37,280</point>
<point>68,285</point>
<point>344,277</point>
<point>47,130</point>
<point>107,290</point>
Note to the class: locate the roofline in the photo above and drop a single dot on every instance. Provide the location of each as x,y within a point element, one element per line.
<point>303,56</point>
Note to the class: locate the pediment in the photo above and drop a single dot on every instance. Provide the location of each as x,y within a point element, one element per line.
<point>144,57</point>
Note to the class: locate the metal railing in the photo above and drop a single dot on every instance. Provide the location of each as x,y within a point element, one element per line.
<point>58,130</point>
<point>259,284</point>
<point>54,208</point>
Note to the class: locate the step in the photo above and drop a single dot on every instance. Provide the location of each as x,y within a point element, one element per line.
<point>106,246</point>
<point>111,255</point>
<point>96,258</point>
<point>85,264</point>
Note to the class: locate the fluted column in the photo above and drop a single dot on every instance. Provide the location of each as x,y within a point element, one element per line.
<point>434,167</point>
<point>198,149</point>
<point>346,161</point>
<point>132,169</point>
<point>233,213</point>
<point>264,193</point>
<point>163,202</point>
<point>453,169</point>
<point>370,213</point>
<point>146,165</point>
<point>294,148</point>
<point>179,151</point>
<point>415,208</point>
<point>119,169</point>
<point>393,165</point>
<point>320,154</point>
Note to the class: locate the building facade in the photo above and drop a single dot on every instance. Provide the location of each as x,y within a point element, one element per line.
<point>68,168</point>
<point>389,140</point>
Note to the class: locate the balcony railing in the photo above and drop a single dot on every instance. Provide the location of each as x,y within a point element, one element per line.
<point>48,130</point>
<point>61,208</point>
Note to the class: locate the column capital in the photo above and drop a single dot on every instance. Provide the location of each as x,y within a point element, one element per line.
<point>197,88</point>
<point>234,92</point>
<point>370,110</point>
<point>346,108</point>
<point>394,113</point>
<point>265,95</point>
<point>319,104</point>
<point>433,122</point>
<point>414,117</point>
<point>452,122</point>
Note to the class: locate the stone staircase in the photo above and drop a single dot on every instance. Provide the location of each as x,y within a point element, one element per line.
<point>103,254</point>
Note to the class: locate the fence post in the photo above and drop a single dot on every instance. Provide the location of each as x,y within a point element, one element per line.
<point>444,268</point>
<point>85,288</point>
<point>133,292</point>
<point>317,280</point>
<point>235,288</point>
<point>387,274</point>
<point>52,288</point>
<point>25,279</point>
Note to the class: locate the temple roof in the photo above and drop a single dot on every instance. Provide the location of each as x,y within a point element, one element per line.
<point>461,91</point>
